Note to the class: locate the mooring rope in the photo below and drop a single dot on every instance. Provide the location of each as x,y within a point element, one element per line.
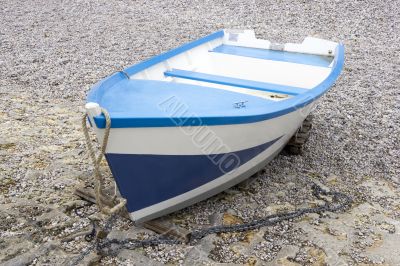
<point>99,184</point>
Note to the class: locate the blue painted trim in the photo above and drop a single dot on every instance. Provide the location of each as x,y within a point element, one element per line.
<point>148,179</point>
<point>299,58</point>
<point>249,84</point>
<point>162,57</point>
<point>99,88</point>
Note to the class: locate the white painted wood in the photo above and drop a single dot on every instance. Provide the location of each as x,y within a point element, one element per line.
<point>276,72</point>
<point>187,60</point>
<point>312,45</point>
<point>179,140</point>
<point>257,93</point>
<point>244,38</point>
<point>199,59</point>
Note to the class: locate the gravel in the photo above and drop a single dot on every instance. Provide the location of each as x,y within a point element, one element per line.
<point>51,52</point>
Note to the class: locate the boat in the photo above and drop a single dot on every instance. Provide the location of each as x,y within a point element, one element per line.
<point>196,120</point>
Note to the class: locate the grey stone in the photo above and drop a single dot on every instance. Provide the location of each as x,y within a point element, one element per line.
<point>133,257</point>
<point>51,53</point>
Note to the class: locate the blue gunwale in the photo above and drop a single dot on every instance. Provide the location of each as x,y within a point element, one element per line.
<point>272,110</point>
<point>249,84</point>
<point>164,56</point>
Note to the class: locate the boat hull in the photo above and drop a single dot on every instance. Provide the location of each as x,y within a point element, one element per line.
<point>208,190</point>
<point>179,166</point>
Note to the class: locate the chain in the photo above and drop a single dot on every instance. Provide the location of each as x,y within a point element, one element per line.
<point>341,200</point>
<point>109,247</point>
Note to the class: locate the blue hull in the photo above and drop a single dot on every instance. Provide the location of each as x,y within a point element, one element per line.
<point>145,180</point>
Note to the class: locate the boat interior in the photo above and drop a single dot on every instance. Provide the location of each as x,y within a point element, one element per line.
<point>227,74</point>
<point>239,62</point>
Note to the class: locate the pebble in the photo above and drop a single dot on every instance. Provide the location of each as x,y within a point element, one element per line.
<point>51,53</point>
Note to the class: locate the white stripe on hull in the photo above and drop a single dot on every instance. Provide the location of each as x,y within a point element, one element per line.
<point>182,140</point>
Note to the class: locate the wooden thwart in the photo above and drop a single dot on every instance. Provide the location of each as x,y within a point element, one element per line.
<point>160,226</point>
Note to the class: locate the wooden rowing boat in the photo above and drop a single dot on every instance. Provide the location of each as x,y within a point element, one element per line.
<point>196,120</point>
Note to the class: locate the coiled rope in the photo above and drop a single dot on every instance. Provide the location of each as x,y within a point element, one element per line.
<point>101,196</point>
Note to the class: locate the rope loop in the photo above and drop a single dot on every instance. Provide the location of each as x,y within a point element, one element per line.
<point>101,196</point>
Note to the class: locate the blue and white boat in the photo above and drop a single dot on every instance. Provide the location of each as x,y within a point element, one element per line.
<point>194,121</point>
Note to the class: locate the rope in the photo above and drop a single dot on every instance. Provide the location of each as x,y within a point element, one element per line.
<point>99,184</point>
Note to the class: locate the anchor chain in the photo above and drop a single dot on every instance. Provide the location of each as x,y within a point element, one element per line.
<point>109,247</point>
